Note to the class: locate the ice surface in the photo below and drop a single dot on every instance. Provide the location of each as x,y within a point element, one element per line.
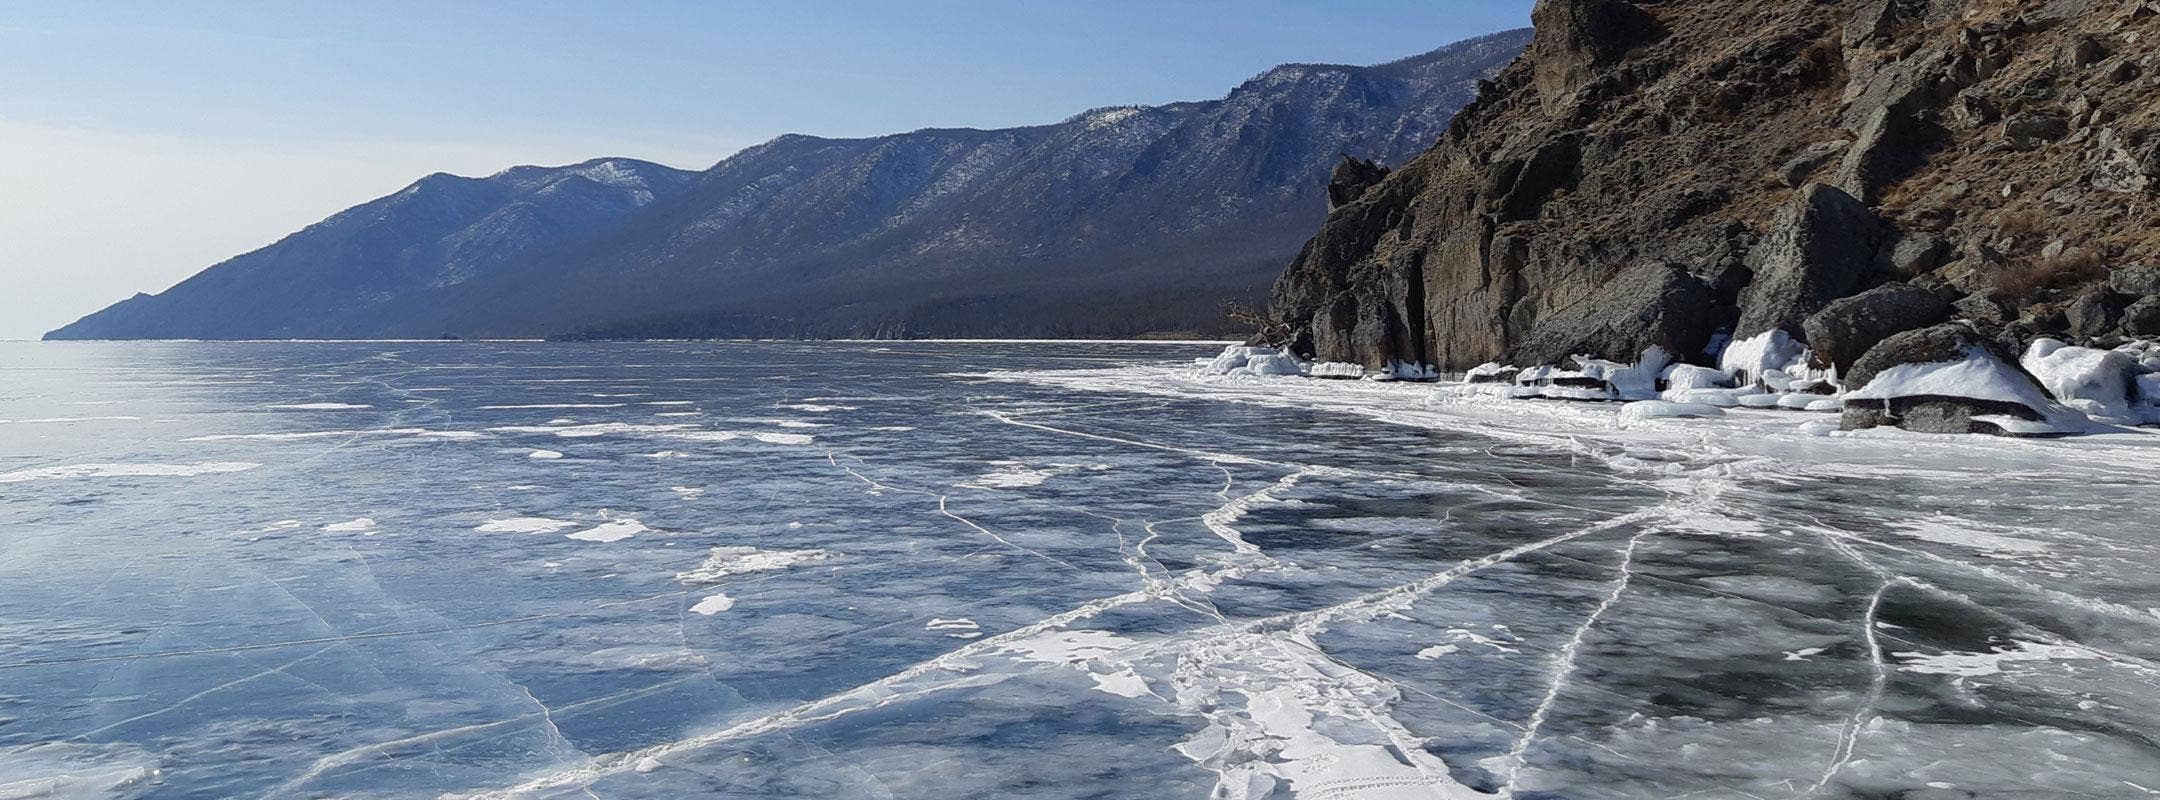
<point>78,471</point>
<point>1069,570</point>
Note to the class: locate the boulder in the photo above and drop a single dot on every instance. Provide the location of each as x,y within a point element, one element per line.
<point>2093,312</point>
<point>1948,378</point>
<point>1844,330</point>
<point>2138,280</point>
<point>2030,129</point>
<point>1892,143</point>
<point>1352,176</point>
<point>1820,247</point>
<point>1981,308</point>
<point>1644,306</point>
<point>2142,318</point>
<point>1919,254</point>
<point>1803,165</point>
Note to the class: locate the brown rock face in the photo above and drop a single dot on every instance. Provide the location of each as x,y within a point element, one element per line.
<point>1955,141</point>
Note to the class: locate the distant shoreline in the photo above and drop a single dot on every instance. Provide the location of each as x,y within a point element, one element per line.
<point>619,341</point>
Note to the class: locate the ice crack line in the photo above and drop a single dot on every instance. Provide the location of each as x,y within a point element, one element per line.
<point>1850,737</point>
<point>1564,664</point>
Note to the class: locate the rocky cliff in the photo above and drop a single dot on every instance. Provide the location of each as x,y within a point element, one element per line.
<point>1115,222</point>
<point>1676,174</point>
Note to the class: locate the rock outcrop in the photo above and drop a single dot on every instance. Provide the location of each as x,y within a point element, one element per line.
<point>1997,162</point>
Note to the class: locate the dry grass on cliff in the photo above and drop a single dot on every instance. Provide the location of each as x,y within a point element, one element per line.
<point>2030,277</point>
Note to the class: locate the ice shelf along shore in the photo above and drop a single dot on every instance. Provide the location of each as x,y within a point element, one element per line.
<point>1056,570</point>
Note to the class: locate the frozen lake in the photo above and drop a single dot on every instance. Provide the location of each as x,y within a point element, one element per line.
<point>877,570</point>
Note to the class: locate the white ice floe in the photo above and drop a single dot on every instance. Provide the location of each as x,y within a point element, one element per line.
<point>545,455</point>
<point>688,492</point>
<point>713,604</point>
<point>610,531</point>
<point>524,525</point>
<point>361,525</point>
<point>321,406</point>
<point>1988,663</point>
<point>727,561</point>
<point>75,471</point>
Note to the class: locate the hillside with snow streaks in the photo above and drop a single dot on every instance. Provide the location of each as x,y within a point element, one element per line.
<point>1115,222</point>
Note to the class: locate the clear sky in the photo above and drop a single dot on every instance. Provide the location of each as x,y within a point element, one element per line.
<point>143,141</point>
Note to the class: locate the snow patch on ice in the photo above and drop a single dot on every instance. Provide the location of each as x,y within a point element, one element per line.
<point>727,561</point>
<point>545,455</point>
<point>361,525</point>
<point>321,406</point>
<point>77,471</point>
<point>524,525</point>
<point>1991,662</point>
<point>610,531</point>
<point>713,604</point>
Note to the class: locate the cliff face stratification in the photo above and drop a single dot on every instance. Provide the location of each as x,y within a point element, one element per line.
<point>1658,173</point>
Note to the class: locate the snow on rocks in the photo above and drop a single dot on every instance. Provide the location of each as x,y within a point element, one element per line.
<point>1241,360</point>
<point>1756,358</point>
<point>1336,370</point>
<point>1947,379</point>
<point>2096,382</point>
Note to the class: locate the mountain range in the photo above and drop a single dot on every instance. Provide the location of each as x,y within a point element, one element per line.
<point>1124,221</point>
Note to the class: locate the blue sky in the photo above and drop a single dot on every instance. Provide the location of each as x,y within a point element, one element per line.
<point>207,129</point>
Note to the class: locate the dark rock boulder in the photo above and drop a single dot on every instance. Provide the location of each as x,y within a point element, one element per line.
<point>1845,329</point>
<point>2138,280</point>
<point>2031,129</point>
<point>2094,312</point>
<point>1797,170</point>
<point>2142,318</point>
<point>1919,253</point>
<point>1644,306</point>
<point>1820,248</point>
<point>1938,413</point>
<point>1352,176</point>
